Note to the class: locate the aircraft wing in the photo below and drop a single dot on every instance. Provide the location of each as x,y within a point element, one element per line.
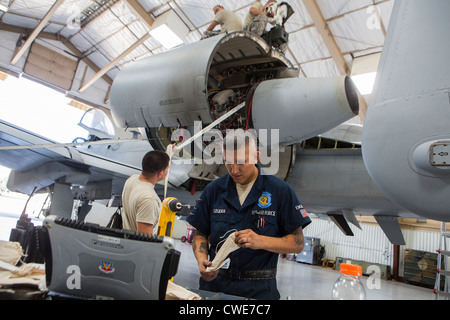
<point>44,166</point>
<point>347,132</point>
<point>11,135</point>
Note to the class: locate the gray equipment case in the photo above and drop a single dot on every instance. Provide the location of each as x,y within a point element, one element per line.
<point>87,261</point>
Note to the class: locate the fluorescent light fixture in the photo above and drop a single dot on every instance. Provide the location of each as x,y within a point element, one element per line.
<point>3,7</point>
<point>365,82</point>
<point>169,30</point>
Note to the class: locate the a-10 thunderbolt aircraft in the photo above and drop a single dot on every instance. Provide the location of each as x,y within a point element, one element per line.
<point>399,166</point>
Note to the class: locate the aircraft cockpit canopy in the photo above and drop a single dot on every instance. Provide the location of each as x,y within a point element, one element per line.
<point>98,124</point>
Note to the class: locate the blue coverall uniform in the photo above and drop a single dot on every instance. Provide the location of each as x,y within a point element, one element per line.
<point>270,209</point>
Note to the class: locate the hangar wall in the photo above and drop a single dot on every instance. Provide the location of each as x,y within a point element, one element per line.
<point>370,244</point>
<point>32,65</point>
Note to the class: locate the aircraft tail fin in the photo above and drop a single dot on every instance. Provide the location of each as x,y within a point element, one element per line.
<point>414,60</point>
<point>406,135</point>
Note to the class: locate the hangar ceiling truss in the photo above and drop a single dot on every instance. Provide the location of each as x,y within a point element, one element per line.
<point>325,36</point>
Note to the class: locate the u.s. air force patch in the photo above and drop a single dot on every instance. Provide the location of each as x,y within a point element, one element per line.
<point>265,200</point>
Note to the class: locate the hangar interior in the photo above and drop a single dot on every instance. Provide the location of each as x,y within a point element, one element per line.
<point>79,48</point>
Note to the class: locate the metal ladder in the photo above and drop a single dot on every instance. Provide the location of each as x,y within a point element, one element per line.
<point>442,269</point>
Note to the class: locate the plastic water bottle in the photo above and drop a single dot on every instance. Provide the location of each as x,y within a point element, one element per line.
<point>349,285</point>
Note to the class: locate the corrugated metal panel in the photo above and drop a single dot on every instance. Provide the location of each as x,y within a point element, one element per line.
<point>370,244</point>
<point>421,240</point>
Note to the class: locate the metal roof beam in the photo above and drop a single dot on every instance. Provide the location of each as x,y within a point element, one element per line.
<point>380,21</point>
<point>86,60</point>
<point>140,12</point>
<point>21,30</point>
<point>325,33</point>
<point>36,31</point>
<point>111,65</point>
<point>96,13</point>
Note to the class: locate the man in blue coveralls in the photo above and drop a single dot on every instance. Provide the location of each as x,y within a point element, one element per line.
<point>265,213</point>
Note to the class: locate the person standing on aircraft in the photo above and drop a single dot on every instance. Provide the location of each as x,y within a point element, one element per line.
<point>257,18</point>
<point>262,210</point>
<point>141,204</point>
<point>228,21</point>
<point>279,13</point>
<point>272,12</point>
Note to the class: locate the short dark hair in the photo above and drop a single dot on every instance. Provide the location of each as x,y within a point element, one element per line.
<point>154,162</point>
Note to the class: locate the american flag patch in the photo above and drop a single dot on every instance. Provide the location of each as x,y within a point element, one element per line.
<point>304,213</point>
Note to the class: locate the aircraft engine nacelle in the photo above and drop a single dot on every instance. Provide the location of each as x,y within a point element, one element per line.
<point>204,80</point>
<point>303,108</point>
